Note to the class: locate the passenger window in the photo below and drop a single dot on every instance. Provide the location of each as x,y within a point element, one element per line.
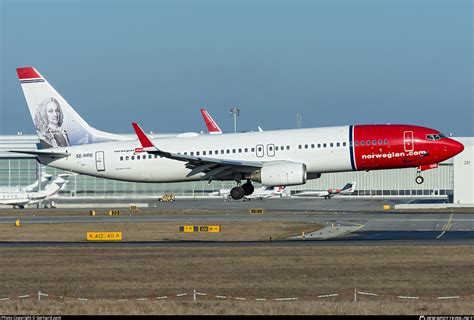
<point>344,144</point>
<point>204,153</point>
<point>222,151</point>
<point>156,156</point>
<point>276,148</point>
<point>324,145</point>
<point>210,152</point>
<point>144,157</point>
<point>299,146</point>
<point>216,152</point>
<point>374,142</point>
<point>151,156</point>
<point>192,153</point>
<point>361,143</point>
<point>380,142</point>
<point>253,149</point>
<point>331,144</point>
<point>246,150</point>
<point>197,153</point>
<point>312,146</point>
<point>228,150</point>
<point>282,148</point>
<point>306,146</point>
<point>287,147</point>
<point>133,157</point>
<point>338,144</point>
<point>138,157</point>
<point>319,145</point>
<point>233,150</point>
<point>121,158</point>
<point>368,142</point>
<point>270,148</point>
<point>126,158</point>
<point>385,141</point>
<point>240,150</point>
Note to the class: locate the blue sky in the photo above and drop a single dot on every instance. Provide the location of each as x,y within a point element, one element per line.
<point>335,62</point>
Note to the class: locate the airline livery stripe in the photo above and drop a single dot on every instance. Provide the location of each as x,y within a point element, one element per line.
<point>351,146</point>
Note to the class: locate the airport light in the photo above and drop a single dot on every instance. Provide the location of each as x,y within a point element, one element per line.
<point>235,113</point>
<point>299,117</point>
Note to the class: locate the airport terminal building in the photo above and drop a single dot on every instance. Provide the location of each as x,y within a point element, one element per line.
<point>455,176</point>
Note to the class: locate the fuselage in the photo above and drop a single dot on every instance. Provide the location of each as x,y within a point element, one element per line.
<point>322,150</point>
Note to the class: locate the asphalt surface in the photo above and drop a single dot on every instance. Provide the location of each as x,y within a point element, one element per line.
<point>374,226</point>
<point>273,204</point>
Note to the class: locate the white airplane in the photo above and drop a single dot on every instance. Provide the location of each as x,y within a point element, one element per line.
<point>329,193</point>
<point>22,199</point>
<point>212,126</point>
<point>272,158</point>
<point>260,193</point>
<point>45,180</point>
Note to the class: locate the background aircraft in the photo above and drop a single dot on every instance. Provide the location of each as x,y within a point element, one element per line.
<point>329,193</point>
<point>260,193</point>
<point>45,180</point>
<point>22,199</point>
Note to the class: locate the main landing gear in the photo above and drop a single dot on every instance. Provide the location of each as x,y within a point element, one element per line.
<point>240,191</point>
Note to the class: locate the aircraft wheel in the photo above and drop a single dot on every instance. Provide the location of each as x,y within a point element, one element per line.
<point>248,188</point>
<point>237,193</point>
<point>419,179</point>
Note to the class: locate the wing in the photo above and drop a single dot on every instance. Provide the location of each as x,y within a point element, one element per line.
<point>213,168</point>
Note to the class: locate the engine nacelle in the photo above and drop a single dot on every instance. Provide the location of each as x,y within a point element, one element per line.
<point>281,174</point>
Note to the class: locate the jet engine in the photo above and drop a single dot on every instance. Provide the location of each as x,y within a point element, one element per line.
<point>283,173</point>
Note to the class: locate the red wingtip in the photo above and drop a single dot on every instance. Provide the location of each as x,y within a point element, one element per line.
<point>27,73</point>
<point>145,142</point>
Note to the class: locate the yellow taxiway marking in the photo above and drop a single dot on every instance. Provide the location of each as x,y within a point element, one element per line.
<point>446,226</point>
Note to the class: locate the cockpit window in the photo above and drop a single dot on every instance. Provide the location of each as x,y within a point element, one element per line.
<point>435,137</point>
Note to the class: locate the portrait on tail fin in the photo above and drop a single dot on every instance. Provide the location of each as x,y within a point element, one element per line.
<point>49,119</point>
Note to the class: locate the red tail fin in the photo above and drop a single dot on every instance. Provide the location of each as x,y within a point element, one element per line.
<point>212,126</point>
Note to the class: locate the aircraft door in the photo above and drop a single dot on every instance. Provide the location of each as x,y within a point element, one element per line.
<point>270,150</point>
<point>408,141</point>
<point>100,161</point>
<point>260,150</point>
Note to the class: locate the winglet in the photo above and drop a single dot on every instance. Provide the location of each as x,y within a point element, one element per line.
<point>144,140</point>
<point>211,125</point>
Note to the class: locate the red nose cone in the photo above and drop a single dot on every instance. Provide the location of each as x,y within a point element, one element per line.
<point>454,147</point>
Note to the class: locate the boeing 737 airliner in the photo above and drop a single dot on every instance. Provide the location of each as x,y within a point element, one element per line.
<point>273,158</point>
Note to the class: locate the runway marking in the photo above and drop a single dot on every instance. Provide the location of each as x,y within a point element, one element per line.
<point>446,226</point>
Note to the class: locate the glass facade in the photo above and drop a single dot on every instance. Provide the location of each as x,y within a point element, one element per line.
<point>398,182</point>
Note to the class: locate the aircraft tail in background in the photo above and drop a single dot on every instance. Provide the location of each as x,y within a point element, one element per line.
<point>211,125</point>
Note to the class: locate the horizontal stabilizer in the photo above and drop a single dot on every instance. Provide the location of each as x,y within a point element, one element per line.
<point>45,152</point>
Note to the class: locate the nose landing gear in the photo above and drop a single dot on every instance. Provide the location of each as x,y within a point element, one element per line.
<point>419,179</point>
